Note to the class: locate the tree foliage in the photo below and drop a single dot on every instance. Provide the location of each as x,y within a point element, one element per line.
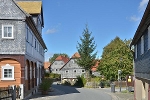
<point>116,56</point>
<point>86,50</point>
<point>56,55</point>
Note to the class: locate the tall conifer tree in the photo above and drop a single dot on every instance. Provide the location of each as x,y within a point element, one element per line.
<point>86,49</point>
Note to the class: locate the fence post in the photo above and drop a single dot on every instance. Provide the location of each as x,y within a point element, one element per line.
<point>14,92</point>
<point>22,91</point>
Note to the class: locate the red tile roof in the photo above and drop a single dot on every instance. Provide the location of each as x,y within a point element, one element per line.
<point>94,68</point>
<point>76,55</point>
<point>62,58</point>
<point>46,65</point>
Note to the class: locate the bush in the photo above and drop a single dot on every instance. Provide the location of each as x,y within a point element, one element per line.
<point>47,74</point>
<point>81,81</point>
<point>46,84</point>
<point>54,76</point>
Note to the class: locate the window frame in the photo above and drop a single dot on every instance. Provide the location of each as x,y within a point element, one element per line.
<point>12,37</point>
<point>7,66</point>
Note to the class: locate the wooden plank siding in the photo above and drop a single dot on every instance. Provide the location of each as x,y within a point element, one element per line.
<point>17,73</point>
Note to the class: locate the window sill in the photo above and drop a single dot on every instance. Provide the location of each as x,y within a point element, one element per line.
<point>8,38</point>
<point>7,79</point>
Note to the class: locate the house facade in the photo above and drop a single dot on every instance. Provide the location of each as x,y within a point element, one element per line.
<point>57,64</point>
<point>71,69</point>
<point>46,66</point>
<point>21,44</point>
<point>141,43</point>
<point>94,69</point>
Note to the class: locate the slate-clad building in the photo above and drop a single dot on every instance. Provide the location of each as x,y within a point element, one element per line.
<point>57,64</point>
<point>21,44</point>
<point>141,43</point>
<point>70,70</point>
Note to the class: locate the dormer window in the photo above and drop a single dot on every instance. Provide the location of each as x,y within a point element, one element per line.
<point>7,31</point>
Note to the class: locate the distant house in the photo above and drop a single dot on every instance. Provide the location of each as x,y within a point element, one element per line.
<point>95,68</point>
<point>71,69</point>
<point>141,43</point>
<point>46,66</point>
<point>58,63</point>
<point>21,44</point>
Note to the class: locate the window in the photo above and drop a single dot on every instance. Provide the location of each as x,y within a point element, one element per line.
<point>7,72</point>
<point>73,61</point>
<point>35,43</point>
<point>83,70</point>
<point>145,40</point>
<point>142,44</point>
<point>75,71</point>
<point>37,46</point>
<point>7,31</point>
<point>67,71</point>
<point>149,37</point>
<point>138,48</point>
<point>55,63</point>
<point>135,51</point>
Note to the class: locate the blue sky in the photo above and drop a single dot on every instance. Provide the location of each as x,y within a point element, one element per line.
<point>64,22</point>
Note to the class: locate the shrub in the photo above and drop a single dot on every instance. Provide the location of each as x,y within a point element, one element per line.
<point>54,76</point>
<point>46,84</point>
<point>81,81</point>
<point>47,74</point>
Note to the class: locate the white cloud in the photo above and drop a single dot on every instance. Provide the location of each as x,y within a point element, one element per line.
<point>53,29</point>
<point>48,55</point>
<point>134,18</point>
<point>49,31</point>
<point>142,5</point>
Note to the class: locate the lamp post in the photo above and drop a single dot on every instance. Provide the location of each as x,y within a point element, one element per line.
<point>119,79</point>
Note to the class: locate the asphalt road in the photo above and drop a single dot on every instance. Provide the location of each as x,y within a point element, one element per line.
<point>72,93</point>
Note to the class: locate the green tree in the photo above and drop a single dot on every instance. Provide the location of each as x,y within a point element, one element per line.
<point>116,56</point>
<point>56,55</point>
<point>86,50</point>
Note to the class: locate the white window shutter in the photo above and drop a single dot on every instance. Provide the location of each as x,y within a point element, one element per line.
<point>149,37</point>
<point>142,44</point>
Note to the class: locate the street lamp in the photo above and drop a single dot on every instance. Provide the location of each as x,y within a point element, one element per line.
<point>119,78</point>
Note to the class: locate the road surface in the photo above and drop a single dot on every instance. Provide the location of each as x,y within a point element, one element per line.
<point>72,93</point>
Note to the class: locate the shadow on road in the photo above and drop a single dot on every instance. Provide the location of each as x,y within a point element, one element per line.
<point>65,89</point>
<point>55,91</point>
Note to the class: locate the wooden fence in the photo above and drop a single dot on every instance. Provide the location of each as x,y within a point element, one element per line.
<point>10,93</point>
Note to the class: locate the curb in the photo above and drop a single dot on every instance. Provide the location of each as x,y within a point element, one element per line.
<point>114,97</point>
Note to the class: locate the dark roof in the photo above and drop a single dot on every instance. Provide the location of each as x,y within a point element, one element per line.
<point>142,26</point>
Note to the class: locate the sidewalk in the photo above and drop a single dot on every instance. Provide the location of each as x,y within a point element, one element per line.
<point>52,94</point>
<point>119,95</point>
